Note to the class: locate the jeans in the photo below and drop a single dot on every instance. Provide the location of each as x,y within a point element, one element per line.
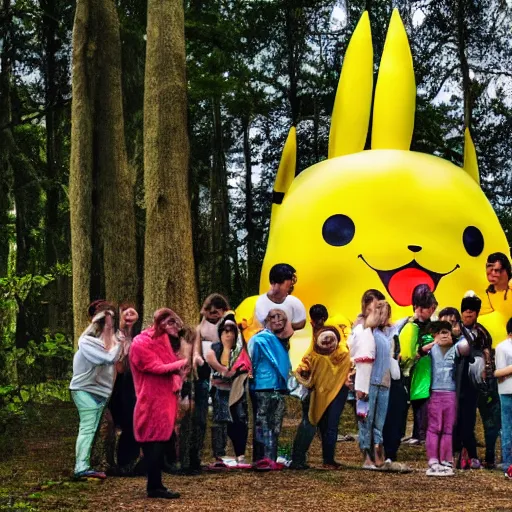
<point>200,418</point>
<point>304,436</point>
<point>489,407</point>
<point>270,409</point>
<point>328,425</point>
<point>506,429</point>
<point>396,417</point>
<point>371,427</point>
<point>90,409</point>
<point>237,430</point>
<point>442,413</point>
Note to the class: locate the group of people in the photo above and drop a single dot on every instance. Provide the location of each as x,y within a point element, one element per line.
<point>157,386</point>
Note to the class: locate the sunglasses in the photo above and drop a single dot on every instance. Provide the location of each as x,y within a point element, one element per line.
<point>277,316</point>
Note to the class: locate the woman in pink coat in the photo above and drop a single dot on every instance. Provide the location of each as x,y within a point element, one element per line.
<point>157,374</point>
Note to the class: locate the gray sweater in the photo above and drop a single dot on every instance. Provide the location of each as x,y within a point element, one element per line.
<point>93,366</point>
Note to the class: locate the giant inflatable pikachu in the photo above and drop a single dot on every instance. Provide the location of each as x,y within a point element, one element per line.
<point>387,218</point>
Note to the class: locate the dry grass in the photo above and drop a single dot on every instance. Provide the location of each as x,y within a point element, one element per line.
<point>36,477</point>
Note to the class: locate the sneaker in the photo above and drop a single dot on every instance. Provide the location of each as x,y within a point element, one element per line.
<point>412,442</point>
<point>508,473</point>
<point>347,438</point>
<point>475,464</point>
<point>163,493</point>
<point>445,471</point>
<point>90,473</point>
<point>433,470</point>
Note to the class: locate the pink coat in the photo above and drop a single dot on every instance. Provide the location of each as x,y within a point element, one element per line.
<point>157,379</point>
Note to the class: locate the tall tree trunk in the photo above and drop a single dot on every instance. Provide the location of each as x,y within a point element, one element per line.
<point>220,272</point>
<point>464,66</point>
<point>252,263</point>
<point>169,276</point>
<point>50,25</point>
<point>6,138</point>
<point>101,182</point>
<point>292,15</point>
<point>55,227</point>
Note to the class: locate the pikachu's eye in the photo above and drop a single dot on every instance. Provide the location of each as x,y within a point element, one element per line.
<point>338,230</point>
<point>473,241</point>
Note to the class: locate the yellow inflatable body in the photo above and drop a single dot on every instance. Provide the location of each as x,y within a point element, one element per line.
<point>387,218</point>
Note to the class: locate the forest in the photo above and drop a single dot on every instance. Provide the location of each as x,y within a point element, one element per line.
<point>139,142</point>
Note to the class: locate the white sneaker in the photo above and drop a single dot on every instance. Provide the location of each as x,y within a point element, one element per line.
<point>434,470</point>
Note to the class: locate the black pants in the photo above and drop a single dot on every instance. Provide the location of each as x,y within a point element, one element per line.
<point>466,419</point>
<point>122,405</point>
<point>328,425</point>
<point>396,419</point>
<point>154,457</point>
<point>419,409</point>
<point>490,412</point>
<point>199,421</point>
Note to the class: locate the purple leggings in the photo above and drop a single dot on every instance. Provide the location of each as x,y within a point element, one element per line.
<point>442,413</point>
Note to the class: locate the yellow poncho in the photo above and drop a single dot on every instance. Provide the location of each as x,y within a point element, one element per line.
<point>323,374</point>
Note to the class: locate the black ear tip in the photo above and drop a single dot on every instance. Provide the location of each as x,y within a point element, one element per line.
<point>277,197</point>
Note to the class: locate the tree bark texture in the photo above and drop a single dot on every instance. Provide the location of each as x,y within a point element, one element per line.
<point>220,272</point>
<point>6,138</point>
<point>101,182</point>
<point>169,276</point>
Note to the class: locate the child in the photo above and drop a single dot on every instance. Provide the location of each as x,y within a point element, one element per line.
<point>504,373</point>
<point>324,370</point>
<point>412,337</point>
<point>306,432</point>
<point>371,349</point>
<point>442,406</point>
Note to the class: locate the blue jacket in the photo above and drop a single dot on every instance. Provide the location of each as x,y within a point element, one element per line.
<point>270,362</point>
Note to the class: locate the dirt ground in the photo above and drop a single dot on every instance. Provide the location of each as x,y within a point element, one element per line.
<point>36,465</point>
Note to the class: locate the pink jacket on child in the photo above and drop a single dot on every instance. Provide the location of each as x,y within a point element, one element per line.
<point>155,368</point>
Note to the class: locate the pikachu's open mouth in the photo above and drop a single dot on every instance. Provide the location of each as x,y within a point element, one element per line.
<point>400,282</point>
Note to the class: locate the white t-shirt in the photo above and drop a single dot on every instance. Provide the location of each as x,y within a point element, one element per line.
<point>292,306</point>
<point>503,359</point>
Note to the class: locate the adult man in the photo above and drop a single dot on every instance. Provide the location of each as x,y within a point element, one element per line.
<point>487,398</point>
<point>268,387</point>
<point>282,279</point>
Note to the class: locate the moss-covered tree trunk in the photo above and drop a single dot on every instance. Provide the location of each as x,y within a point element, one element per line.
<point>101,182</point>
<point>169,278</point>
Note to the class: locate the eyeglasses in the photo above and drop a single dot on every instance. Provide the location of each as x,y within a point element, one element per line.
<point>494,270</point>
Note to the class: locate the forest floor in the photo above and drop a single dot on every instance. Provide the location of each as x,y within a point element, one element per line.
<point>36,462</point>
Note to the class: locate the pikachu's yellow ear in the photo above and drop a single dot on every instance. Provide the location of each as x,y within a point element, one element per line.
<point>352,106</point>
<point>395,93</point>
<point>470,159</point>
<point>286,171</point>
